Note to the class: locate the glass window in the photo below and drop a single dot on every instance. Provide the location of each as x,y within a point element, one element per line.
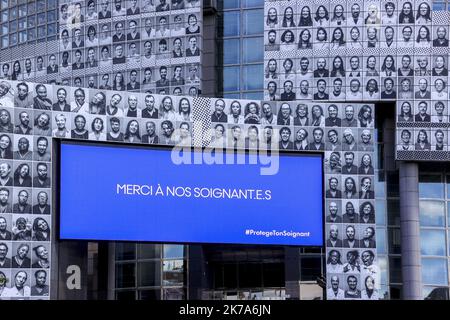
<point>149,251</point>
<point>438,6</point>
<point>394,240</point>
<point>5,16</point>
<point>432,242</point>
<point>392,184</point>
<point>273,274</point>
<point>395,270</point>
<point>253,95</point>
<point>250,275</point>
<point>310,268</point>
<point>129,295</point>
<point>448,186</point>
<point>380,209</point>
<point>40,5</point>
<point>22,36</point>
<point>13,26</point>
<point>393,212</point>
<point>231,79</point>
<point>231,95</point>
<point>173,251</point>
<point>51,4</point>
<point>41,31</point>
<point>231,4</point>
<point>231,23</point>
<point>431,186</point>
<point>435,293</point>
<point>5,28</point>
<point>51,29</point>
<point>31,21</point>
<point>51,16</point>
<point>432,213</point>
<point>231,51</point>
<point>149,273</point>
<point>13,39</point>
<point>173,272</point>
<point>174,294</point>
<point>13,13</point>
<point>253,22</point>
<point>125,275</point>
<point>253,77</point>
<point>22,23</point>
<point>23,10</point>
<point>31,34</point>
<point>5,42</point>
<point>380,185</point>
<point>125,251</point>
<point>249,52</point>
<point>150,294</point>
<point>382,264</point>
<point>252,3</point>
<point>41,18</point>
<point>434,271</point>
<point>381,240</point>
<point>3,4</point>
<point>31,7</point>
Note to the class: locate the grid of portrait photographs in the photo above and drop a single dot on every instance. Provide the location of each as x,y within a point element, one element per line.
<point>25,198</point>
<point>32,114</point>
<point>344,133</point>
<point>355,50</point>
<point>149,46</point>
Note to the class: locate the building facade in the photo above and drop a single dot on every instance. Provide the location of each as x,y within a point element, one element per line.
<point>74,68</point>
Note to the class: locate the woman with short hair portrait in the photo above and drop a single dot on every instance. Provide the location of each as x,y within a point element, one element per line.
<point>287,40</point>
<point>98,130</point>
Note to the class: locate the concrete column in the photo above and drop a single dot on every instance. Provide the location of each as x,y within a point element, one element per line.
<point>410,231</point>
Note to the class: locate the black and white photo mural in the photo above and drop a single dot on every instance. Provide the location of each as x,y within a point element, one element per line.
<point>33,115</point>
<point>365,50</point>
<point>134,45</point>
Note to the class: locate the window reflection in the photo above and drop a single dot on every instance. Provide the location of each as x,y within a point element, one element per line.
<point>231,24</point>
<point>382,264</point>
<point>381,240</point>
<point>380,209</point>
<point>432,271</point>
<point>231,50</point>
<point>231,79</point>
<point>431,186</point>
<point>432,213</point>
<point>253,77</point>
<point>432,242</point>
<point>252,22</point>
<point>173,251</point>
